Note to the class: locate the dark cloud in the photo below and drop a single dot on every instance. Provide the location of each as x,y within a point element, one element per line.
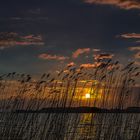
<point>14,39</point>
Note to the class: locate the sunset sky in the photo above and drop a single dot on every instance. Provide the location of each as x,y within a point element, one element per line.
<point>45,35</point>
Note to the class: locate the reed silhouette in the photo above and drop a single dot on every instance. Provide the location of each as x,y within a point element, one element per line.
<point>110,86</point>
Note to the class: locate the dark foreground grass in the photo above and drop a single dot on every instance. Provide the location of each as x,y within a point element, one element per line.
<point>70,126</point>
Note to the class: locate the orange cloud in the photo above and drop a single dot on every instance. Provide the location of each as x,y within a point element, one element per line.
<point>80,51</point>
<point>134,48</point>
<point>13,39</point>
<point>89,65</point>
<point>123,4</point>
<point>52,57</point>
<point>103,56</point>
<point>70,64</point>
<point>131,35</point>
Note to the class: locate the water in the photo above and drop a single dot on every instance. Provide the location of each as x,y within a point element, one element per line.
<point>33,126</point>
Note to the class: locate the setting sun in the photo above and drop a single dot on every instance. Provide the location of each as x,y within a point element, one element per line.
<point>87,96</point>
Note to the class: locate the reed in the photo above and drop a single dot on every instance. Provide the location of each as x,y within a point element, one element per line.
<point>110,85</point>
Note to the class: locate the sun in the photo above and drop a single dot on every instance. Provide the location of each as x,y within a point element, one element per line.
<point>87,96</point>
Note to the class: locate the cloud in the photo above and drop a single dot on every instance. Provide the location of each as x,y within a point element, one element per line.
<point>33,15</point>
<point>52,57</point>
<point>103,56</point>
<point>123,4</point>
<point>134,48</point>
<point>41,18</point>
<point>137,55</point>
<point>80,51</point>
<point>89,65</point>
<point>138,41</point>
<point>12,39</point>
<point>137,49</point>
<point>96,50</point>
<point>135,36</point>
<point>109,66</point>
<point>131,36</point>
<point>70,64</point>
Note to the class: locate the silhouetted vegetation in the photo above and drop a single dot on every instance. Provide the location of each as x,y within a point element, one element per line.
<point>110,86</point>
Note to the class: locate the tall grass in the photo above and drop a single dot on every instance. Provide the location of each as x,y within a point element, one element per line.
<point>110,86</point>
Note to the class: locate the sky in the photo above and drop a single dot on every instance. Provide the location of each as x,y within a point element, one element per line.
<point>38,36</point>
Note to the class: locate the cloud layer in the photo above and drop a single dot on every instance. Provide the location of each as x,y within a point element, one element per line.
<point>80,51</point>
<point>46,56</point>
<point>131,35</point>
<point>136,49</point>
<point>89,65</point>
<point>14,39</point>
<point>103,56</point>
<point>123,4</point>
<point>70,64</point>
